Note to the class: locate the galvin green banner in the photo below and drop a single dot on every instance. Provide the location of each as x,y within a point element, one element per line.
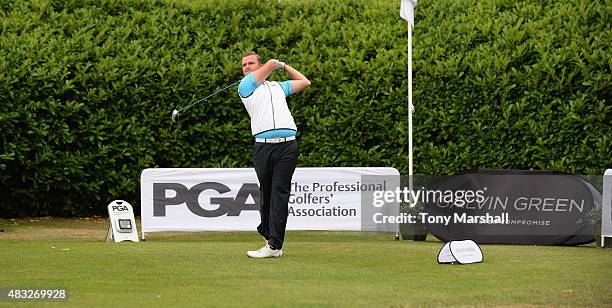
<point>514,207</point>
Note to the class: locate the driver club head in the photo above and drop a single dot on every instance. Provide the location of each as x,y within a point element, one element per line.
<point>175,115</point>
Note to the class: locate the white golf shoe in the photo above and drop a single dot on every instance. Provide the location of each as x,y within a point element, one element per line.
<point>265,252</point>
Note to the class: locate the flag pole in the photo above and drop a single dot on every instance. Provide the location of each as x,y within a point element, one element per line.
<point>410,109</point>
<point>407,13</point>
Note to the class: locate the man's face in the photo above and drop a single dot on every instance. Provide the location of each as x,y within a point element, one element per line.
<point>250,64</point>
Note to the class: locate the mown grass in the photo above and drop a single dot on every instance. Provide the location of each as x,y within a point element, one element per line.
<point>319,269</point>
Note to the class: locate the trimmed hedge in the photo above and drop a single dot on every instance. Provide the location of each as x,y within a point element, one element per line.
<point>87,89</point>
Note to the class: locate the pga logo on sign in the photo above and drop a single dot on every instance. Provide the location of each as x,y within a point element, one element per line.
<point>119,208</point>
<point>173,194</point>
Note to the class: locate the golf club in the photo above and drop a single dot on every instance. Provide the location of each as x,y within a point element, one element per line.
<point>175,113</point>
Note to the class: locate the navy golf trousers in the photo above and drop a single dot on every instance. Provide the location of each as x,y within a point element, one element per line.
<point>274,165</point>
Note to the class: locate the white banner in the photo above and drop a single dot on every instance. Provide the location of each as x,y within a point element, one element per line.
<point>227,199</point>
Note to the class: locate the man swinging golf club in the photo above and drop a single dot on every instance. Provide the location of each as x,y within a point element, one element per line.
<point>275,151</point>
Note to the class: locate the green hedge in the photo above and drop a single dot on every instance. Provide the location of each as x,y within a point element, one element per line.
<point>87,88</point>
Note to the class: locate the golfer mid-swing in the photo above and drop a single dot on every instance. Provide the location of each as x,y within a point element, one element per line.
<point>275,151</point>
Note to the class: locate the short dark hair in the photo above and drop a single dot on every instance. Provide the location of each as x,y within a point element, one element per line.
<point>252,53</point>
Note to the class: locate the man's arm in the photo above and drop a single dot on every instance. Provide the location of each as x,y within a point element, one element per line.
<point>263,72</point>
<point>299,82</point>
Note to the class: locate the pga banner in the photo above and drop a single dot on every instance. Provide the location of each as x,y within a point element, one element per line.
<point>227,199</point>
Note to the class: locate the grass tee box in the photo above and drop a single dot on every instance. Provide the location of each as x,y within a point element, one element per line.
<point>318,269</point>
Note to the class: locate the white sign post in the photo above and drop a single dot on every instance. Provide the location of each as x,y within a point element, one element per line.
<point>606,208</point>
<point>122,223</point>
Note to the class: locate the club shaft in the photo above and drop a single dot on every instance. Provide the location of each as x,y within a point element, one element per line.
<point>211,95</point>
